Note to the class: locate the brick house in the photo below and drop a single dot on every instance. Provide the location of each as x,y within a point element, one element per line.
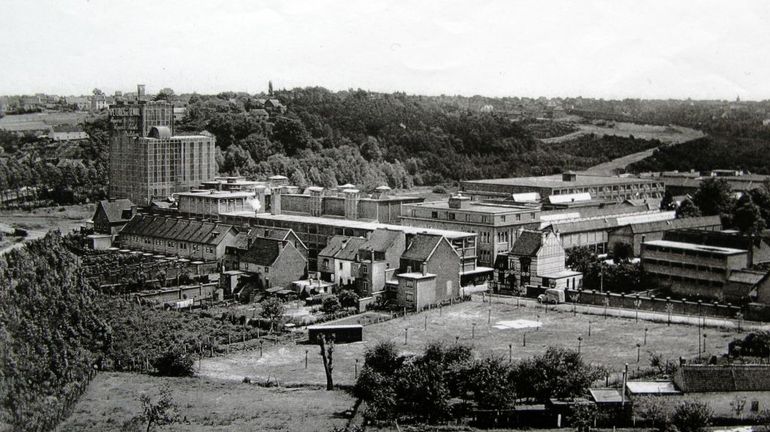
<point>243,241</point>
<point>187,238</point>
<point>378,257</point>
<point>337,261</point>
<point>275,263</point>
<point>111,215</point>
<point>429,272</point>
<point>537,259</point>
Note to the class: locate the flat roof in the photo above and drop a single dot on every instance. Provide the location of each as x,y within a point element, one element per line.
<point>210,193</point>
<point>695,247</point>
<point>348,223</point>
<point>606,395</point>
<point>476,207</point>
<point>557,181</point>
<point>416,275</point>
<point>652,387</point>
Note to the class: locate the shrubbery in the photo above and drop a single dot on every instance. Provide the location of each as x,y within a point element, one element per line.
<point>174,363</point>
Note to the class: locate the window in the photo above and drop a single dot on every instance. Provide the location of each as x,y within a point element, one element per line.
<point>450,216</point>
<point>434,215</point>
<point>518,217</point>
<point>364,269</point>
<point>267,269</point>
<point>340,265</point>
<point>326,264</point>
<point>502,218</point>
<point>754,406</point>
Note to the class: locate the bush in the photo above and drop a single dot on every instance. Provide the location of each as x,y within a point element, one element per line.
<point>348,298</point>
<point>691,416</point>
<point>439,189</point>
<point>331,305</point>
<point>174,363</point>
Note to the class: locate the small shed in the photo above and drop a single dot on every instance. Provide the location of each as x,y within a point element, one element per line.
<point>340,333</point>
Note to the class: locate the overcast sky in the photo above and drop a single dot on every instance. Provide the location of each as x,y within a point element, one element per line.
<point>590,48</point>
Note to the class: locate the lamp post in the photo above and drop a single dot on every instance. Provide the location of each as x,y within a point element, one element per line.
<point>589,328</point>
<point>260,349</point>
<point>704,342</point>
<point>645,336</point>
<point>306,359</point>
<point>406,335</point>
<point>510,353</point>
<point>580,343</point>
<point>638,351</point>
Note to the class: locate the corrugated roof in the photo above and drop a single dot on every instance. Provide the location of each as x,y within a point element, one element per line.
<point>176,229</point>
<point>583,225</point>
<point>693,222</point>
<point>421,247</point>
<point>528,243</point>
<point>713,378</point>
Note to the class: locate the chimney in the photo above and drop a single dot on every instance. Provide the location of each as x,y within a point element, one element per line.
<point>424,268</point>
<point>275,207</point>
<point>139,91</point>
<point>408,269</point>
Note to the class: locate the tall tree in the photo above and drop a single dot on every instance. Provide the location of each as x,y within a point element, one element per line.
<point>747,216</point>
<point>687,209</point>
<point>713,197</point>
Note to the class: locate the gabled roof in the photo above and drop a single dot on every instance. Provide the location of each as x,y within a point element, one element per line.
<point>380,240</point>
<point>713,378</point>
<point>583,225</point>
<point>187,230</point>
<point>334,245</point>
<point>528,243</point>
<point>115,209</point>
<point>421,247</point>
<point>242,239</point>
<point>342,247</point>
<point>263,251</point>
<point>349,252</point>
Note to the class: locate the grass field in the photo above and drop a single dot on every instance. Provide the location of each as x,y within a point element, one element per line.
<point>612,342</point>
<point>112,399</point>
<point>666,134</point>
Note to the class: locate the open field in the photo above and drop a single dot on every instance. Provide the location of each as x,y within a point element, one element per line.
<point>612,342</point>
<point>112,399</point>
<point>666,134</point>
<point>49,118</point>
<point>48,218</point>
<point>39,221</point>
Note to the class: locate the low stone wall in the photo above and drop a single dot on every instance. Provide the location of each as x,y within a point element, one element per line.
<point>652,303</point>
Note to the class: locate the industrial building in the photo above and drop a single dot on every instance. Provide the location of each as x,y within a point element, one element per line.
<point>147,160</point>
<point>495,224</point>
<point>599,187</point>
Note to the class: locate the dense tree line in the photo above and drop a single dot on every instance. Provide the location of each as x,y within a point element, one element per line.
<point>709,153</point>
<point>56,329</point>
<point>367,138</point>
<point>28,161</point>
<point>421,387</point>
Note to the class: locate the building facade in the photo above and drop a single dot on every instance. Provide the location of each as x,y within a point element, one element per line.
<point>496,225</point>
<point>599,187</point>
<point>691,270</point>
<point>186,238</point>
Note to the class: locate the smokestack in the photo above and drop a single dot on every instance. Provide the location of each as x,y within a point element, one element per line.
<point>139,91</point>
<point>424,268</point>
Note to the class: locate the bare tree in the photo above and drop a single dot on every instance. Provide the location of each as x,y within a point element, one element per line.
<point>158,412</point>
<point>327,352</point>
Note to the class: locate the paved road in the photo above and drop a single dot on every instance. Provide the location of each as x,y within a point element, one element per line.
<point>643,315</point>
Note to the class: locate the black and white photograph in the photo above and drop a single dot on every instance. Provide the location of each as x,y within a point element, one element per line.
<point>384,216</point>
